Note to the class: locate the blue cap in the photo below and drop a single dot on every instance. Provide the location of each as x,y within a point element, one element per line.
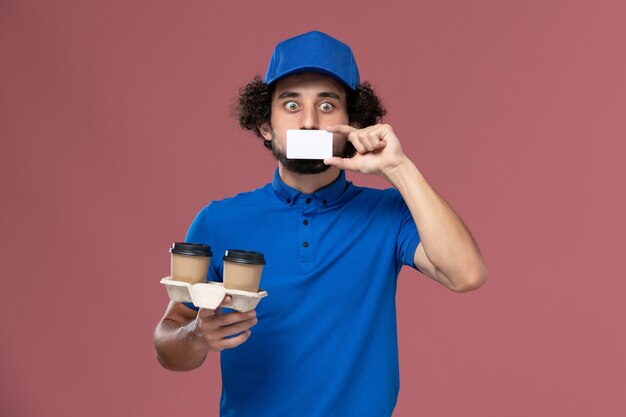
<point>313,52</point>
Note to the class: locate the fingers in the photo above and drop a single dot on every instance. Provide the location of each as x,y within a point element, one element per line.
<point>215,321</point>
<point>341,129</point>
<point>365,140</point>
<point>342,163</point>
<point>232,342</point>
<point>233,329</point>
<point>231,318</point>
<point>357,143</point>
<point>205,313</point>
<point>335,161</point>
<point>216,328</point>
<point>349,164</point>
<point>227,299</point>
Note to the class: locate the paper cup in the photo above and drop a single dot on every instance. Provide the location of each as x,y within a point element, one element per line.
<point>190,262</point>
<point>243,270</point>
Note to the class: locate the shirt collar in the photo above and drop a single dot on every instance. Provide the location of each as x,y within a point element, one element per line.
<point>329,193</point>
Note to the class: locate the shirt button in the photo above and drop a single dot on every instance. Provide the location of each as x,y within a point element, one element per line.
<point>305,244</point>
<point>289,200</point>
<point>308,201</point>
<point>305,222</point>
<point>323,201</point>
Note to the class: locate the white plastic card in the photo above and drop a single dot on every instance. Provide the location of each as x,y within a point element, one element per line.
<point>309,144</point>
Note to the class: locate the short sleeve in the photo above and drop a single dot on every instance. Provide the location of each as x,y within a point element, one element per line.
<point>408,236</point>
<point>198,231</point>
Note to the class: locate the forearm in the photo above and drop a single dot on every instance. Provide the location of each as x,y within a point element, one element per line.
<point>447,242</point>
<point>178,346</point>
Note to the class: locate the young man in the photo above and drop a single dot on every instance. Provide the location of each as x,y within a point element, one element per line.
<point>324,341</point>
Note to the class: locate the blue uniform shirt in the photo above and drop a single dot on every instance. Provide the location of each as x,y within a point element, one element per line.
<point>326,342</point>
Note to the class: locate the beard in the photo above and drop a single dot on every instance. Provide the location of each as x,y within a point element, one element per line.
<point>342,149</point>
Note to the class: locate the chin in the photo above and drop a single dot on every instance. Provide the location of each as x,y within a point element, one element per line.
<point>305,166</point>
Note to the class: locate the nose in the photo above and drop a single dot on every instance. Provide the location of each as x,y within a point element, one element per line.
<point>309,119</point>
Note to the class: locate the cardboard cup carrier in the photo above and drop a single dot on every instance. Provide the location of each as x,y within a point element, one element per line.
<point>190,264</point>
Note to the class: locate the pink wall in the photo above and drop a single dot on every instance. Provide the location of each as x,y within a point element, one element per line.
<point>114,131</point>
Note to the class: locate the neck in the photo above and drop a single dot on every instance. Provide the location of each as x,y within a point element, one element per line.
<point>308,183</point>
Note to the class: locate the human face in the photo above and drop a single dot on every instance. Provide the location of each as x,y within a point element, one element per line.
<point>307,101</point>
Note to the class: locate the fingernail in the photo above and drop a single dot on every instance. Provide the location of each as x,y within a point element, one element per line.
<point>252,314</point>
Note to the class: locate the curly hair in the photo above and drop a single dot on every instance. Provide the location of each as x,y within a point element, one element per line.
<point>254,106</point>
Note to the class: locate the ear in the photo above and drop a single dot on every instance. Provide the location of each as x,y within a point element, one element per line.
<point>266,131</point>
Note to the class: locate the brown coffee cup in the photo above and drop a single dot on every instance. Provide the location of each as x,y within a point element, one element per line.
<point>190,262</point>
<point>242,270</point>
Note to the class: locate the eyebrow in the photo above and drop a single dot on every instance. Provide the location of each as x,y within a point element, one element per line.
<point>328,94</point>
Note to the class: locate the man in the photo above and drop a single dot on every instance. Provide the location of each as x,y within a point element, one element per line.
<point>324,341</point>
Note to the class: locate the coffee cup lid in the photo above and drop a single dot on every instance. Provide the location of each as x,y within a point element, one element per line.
<point>191,249</point>
<point>244,257</point>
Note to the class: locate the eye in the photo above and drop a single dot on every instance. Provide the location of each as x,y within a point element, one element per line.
<point>291,105</point>
<point>326,106</point>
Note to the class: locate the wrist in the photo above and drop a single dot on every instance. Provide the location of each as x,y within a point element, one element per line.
<point>397,173</point>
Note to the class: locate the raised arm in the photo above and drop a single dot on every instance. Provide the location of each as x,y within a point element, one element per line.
<point>447,251</point>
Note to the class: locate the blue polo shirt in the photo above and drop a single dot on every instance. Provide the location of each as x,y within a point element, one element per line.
<point>326,342</point>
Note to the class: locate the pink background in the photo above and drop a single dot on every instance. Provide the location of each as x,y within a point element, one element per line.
<point>115,131</point>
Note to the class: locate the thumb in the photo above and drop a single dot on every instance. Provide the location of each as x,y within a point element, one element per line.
<point>227,299</point>
<point>335,161</point>
<point>204,313</point>
<point>343,163</point>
